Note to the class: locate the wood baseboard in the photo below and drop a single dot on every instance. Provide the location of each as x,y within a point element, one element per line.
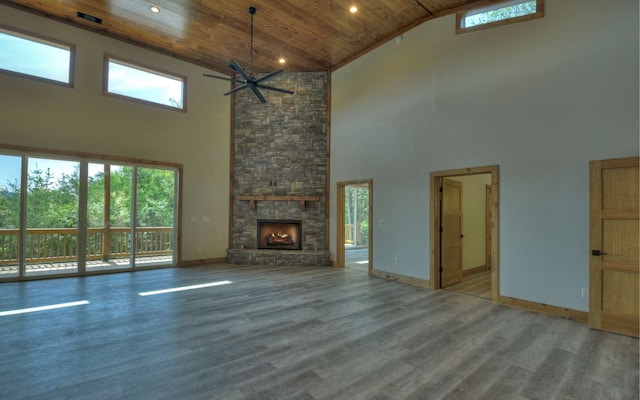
<point>206,261</point>
<point>425,283</point>
<point>580,316</point>
<point>473,271</point>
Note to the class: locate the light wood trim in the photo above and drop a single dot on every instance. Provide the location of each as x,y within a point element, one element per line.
<point>253,199</point>
<point>436,178</point>
<point>90,157</point>
<point>487,227</point>
<point>180,183</point>
<point>576,315</point>
<point>595,263</point>
<point>204,261</point>
<point>424,283</point>
<point>617,162</point>
<point>340,255</point>
<point>474,271</point>
<point>327,203</point>
<point>106,218</point>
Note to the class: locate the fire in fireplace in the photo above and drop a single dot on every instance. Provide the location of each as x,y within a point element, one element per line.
<point>279,234</point>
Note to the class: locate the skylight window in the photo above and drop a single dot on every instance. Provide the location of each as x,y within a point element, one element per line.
<point>30,56</point>
<point>144,84</point>
<point>499,14</point>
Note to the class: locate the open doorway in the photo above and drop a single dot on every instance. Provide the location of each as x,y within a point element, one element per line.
<point>464,221</point>
<point>355,212</point>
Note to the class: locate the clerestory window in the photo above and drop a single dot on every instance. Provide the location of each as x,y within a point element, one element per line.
<point>32,56</point>
<point>499,14</point>
<point>125,79</point>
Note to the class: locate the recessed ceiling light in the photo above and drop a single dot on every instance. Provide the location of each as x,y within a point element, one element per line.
<point>282,60</point>
<point>154,9</point>
<point>353,9</point>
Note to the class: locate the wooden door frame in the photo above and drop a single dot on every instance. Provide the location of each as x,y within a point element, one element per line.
<point>487,219</point>
<point>436,179</point>
<point>340,254</point>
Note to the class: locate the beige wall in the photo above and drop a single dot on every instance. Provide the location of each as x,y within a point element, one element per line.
<point>473,219</point>
<point>82,119</point>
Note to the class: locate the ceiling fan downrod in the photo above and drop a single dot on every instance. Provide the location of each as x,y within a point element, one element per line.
<point>249,81</point>
<point>252,11</point>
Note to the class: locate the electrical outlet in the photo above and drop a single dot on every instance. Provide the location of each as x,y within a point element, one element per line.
<point>585,292</point>
<point>396,261</point>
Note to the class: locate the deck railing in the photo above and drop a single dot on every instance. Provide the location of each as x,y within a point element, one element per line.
<point>58,245</point>
<point>348,234</point>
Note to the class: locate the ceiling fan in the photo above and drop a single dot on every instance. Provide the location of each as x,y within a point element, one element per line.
<point>249,80</point>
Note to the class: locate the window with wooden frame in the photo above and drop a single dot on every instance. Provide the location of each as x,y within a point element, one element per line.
<point>32,56</point>
<point>131,81</point>
<point>502,13</point>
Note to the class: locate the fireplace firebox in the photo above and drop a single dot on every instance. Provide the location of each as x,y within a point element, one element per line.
<point>279,234</point>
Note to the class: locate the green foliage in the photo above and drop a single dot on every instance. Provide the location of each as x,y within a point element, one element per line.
<point>54,203</point>
<point>10,206</point>
<point>502,13</point>
<point>357,210</point>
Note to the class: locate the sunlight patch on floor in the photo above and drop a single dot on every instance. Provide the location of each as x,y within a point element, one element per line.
<point>43,308</point>
<point>179,289</point>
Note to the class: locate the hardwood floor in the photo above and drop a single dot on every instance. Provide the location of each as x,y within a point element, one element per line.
<point>357,258</point>
<point>474,285</point>
<point>294,333</point>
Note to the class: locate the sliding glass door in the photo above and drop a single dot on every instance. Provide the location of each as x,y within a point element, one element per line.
<point>51,244</point>
<point>155,215</point>
<point>129,212</point>
<point>10,193</point>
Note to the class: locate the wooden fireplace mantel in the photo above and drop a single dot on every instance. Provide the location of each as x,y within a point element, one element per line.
<point>302,199</point>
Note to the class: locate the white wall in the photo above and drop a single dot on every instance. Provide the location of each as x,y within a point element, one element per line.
<point>474,213</point>
<point>82,119</point>
<point>539,98</point>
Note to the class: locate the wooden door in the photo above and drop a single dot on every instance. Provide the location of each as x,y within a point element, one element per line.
<point>614,264</point>
<point>451,233</point>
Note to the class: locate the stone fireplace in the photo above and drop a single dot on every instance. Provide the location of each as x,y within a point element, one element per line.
<point>278,234</point>
<point>280,166</point>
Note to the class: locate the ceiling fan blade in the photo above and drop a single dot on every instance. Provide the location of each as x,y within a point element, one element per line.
<point>271,75</point>
<point>223,78</point>
<point>257,93</point>
<point>236,67</point>
<point>237,89</point>
<point>275,89</point>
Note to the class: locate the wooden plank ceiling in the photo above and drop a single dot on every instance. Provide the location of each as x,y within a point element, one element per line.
<point>312,35</point>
